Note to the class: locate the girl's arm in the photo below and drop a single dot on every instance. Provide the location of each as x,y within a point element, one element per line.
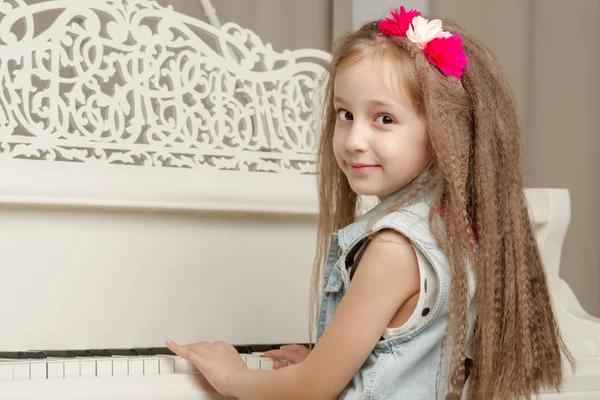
<point>386,277</point>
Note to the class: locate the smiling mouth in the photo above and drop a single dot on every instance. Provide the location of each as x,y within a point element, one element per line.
<point>362,167</point>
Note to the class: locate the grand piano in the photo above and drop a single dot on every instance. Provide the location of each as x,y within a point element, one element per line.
<point>157,181</point>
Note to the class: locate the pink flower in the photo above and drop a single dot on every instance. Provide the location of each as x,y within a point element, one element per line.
<point>447,54</point>
<point>398,24</point>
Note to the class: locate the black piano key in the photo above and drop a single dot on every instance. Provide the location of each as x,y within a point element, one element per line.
<point>142,351</point>
<point>101,353</point>
<point>162,351</point>
<point>243,349</point>
<point>260,348</point>
<point>13,355</point>
<point>153,351</point>
<point>60,353</point>
<point>123,352</point>
<point>38,355</point>
<point>83,353</point>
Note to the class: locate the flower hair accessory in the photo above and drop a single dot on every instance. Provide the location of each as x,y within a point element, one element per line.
<point>443,49</point>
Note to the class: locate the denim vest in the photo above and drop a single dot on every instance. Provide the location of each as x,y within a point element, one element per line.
<point>404,367</point>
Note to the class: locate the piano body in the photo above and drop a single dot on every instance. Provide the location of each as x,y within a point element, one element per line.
<point>157,181</point>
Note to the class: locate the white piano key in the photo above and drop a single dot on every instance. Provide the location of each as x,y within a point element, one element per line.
<point>104,367</point>
<point>21,371</point>
<point>266,363</point>
<point>182,366</point>
<point>136,366</point>
<point>192,368</point>
<point>120,366</point>
<point>6,371</point>
<point>56,369</point>
<point>38,370</point>
<point>71,368</point>
<point>87,368</point>
<point>166,365</point>
<point>151,366</point>
<point>253,361</point>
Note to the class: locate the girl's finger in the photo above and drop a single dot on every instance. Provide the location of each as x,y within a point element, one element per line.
<point>300,350</point>
<point>183,352</point>
<point>286,355</point>
<point>273,353</point>
<point>177,349</point>
<point>278,365</point>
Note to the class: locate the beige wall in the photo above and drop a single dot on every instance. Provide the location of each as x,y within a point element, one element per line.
<point>283,23</point>
<point>550,50</point>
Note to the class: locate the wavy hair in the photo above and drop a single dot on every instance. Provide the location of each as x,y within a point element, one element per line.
<point>477,175</point>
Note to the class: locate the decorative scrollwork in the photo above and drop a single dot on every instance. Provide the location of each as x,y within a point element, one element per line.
<point>131,82</point>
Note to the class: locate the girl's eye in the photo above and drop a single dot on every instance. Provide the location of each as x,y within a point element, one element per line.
<point>385,119</point>
<point>344,115</point>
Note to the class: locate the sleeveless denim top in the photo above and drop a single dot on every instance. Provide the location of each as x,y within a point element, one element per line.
<point>403,367</point>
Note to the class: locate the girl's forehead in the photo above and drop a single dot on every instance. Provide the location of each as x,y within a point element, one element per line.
<point>388,74</point>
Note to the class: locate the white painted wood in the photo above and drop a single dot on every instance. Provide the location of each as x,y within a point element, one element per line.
<point>180,101</point>
<point>210,13</point>
<point>161,387</point>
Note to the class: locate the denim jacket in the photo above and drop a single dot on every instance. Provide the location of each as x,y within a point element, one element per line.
<point>404,367</point>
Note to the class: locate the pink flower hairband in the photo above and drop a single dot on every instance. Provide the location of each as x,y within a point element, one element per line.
<point>442,48</point>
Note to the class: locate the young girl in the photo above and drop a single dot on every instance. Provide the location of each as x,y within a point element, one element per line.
<point>442,280</point>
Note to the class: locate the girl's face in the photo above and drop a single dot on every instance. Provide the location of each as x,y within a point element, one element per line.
<point>380,141</point>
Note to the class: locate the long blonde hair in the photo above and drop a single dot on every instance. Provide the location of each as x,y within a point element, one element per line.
<point>476,172</point>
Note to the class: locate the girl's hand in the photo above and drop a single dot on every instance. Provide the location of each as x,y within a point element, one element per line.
<point>292,353</point>
<point>217,362</point>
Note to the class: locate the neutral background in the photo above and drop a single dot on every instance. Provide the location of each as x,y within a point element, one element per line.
<point>550,50</point>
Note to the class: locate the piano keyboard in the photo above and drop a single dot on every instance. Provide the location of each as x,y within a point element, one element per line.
<point>132,374</point>
<point>43,365</point>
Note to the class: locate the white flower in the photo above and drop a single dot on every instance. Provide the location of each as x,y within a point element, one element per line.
<point>422,31</point>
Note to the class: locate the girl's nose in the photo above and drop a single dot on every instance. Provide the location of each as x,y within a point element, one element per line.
<point>356,141</point>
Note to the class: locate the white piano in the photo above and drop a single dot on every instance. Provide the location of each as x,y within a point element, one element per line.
<point>157,181</point>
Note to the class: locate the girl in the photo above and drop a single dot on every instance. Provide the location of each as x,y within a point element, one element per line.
<point>442,280</point>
